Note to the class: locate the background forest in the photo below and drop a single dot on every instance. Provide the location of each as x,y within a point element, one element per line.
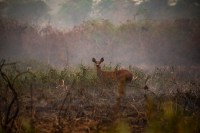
<point>129,32</point>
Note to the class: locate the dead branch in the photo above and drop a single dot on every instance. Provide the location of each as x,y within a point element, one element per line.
<point>8,123</point>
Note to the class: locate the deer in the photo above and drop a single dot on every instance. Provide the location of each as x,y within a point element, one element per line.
<point>122,77</point>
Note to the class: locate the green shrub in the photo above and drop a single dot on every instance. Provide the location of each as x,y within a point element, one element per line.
<point>170,118</point>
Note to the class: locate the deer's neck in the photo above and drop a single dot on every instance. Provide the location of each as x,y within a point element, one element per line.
<point>99,72</point>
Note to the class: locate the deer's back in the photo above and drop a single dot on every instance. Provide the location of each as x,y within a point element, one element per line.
<point>116,75</point>
<point>108,75</point>
<point>124,74</point>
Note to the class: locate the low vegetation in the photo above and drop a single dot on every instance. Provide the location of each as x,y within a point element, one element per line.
<point>34,100</point>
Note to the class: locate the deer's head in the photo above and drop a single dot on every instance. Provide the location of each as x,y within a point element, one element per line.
<point>97,63</point>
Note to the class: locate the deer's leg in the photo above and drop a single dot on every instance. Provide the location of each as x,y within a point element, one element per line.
<point>121,87</point>
<point>121,90</point>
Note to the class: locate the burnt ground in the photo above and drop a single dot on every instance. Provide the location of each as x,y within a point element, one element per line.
<point>86,110</point>
<point>163,104</point>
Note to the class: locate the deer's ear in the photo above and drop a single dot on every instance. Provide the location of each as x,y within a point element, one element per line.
<point>102,59</point>
<point>94,60</point>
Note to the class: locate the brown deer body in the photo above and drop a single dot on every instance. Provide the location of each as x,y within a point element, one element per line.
<point>120,76</point>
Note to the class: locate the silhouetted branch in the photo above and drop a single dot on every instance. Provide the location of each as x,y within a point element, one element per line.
<point>9,119</point>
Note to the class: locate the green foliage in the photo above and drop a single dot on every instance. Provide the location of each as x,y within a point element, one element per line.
<point>119,126</point>
<point>122,126</point>
<point>85,76</point>
<point>139,75</point>
<point>47,76</point>
<point>26,126</point>
<point>171,119</point>
<point>53,75</point>
<point>64,73</point>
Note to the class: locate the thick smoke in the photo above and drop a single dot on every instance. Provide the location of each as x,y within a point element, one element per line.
<point>138,41</point>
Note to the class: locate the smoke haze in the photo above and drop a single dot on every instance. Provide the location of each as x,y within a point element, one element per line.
<point>124,32</point>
